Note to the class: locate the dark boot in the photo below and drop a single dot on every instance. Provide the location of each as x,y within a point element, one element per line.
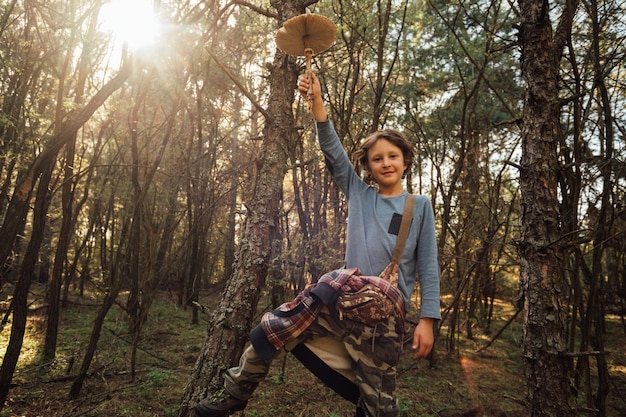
<point>221,404</point>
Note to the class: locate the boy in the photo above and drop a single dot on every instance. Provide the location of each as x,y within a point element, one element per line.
<point>372,350</point>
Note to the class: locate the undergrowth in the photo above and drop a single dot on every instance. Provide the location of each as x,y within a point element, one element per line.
<point>468,382</point>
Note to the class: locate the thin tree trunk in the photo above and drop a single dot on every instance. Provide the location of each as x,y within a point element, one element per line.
<point>67,224</point>
<point>596,309</point>
<point>145,284</point>
<point>60,258</point>
<point>19,303</point>
<point>13,104</point>
<point>109,300</point>
<point>134,249</point>
<point>79,256</point>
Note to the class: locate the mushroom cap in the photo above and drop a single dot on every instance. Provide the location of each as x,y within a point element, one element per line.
<point>306,31</point>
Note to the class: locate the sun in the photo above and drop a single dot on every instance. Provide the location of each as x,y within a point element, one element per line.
<point>133,22</point>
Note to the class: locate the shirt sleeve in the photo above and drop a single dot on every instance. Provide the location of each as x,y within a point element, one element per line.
<point>337,160</point>
<point>428,268</point>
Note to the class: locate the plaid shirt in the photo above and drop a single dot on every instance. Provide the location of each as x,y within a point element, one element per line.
<point>290,319</point>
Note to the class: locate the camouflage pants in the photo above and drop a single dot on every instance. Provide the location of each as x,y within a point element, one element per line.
<point>374,352</point>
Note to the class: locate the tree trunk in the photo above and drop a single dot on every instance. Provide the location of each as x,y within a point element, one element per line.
<point>20,294</point>
<point>67,200</point>
<point>116,285</point>
<point>79,256</point>
<point>228,332</point>
<point>540,250</point>
<point>60,258</point>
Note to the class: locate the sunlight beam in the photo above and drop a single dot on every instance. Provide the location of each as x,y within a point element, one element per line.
<point>133,22</point>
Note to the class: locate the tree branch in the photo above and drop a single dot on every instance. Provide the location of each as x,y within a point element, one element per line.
<point>243,89</point>
<point>255,8</point>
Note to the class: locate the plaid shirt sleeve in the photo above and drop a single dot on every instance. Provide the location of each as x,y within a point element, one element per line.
<point>290,319</point>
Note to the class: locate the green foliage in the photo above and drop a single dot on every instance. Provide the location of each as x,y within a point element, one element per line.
<point>278,379</point>
<point>157,377</point>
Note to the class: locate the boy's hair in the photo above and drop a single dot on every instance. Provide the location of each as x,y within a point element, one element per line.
<point>395,137</point>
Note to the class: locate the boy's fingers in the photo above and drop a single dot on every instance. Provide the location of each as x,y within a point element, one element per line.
<point>422,351</point>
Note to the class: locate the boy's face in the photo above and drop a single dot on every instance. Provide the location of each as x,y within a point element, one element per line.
<point>386,165</point>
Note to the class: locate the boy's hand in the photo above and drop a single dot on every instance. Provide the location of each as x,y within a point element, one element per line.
<point>310,80</point>
<point>423,338</point>
<point>317,105</point>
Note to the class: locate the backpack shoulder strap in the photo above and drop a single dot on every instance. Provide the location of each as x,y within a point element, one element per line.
<point>405,224</point>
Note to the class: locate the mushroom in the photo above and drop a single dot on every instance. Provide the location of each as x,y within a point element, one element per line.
<point>306,35</point>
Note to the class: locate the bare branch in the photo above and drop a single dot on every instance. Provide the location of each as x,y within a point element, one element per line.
<point>243,89</point>
<point>256,8</point>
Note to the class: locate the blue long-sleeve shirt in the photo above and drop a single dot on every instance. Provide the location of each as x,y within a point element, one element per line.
<point>371,234</point>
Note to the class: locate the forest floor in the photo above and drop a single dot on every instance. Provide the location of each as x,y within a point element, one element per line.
<point>470,382</point>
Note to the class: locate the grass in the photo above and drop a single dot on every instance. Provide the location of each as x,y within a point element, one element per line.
<point>466,383</point>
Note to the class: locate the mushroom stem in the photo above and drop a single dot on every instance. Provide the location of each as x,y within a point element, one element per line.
<point>308,52</point>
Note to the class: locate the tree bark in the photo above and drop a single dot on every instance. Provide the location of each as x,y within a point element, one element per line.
<point>540,248</point>
<point>231,323</point>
